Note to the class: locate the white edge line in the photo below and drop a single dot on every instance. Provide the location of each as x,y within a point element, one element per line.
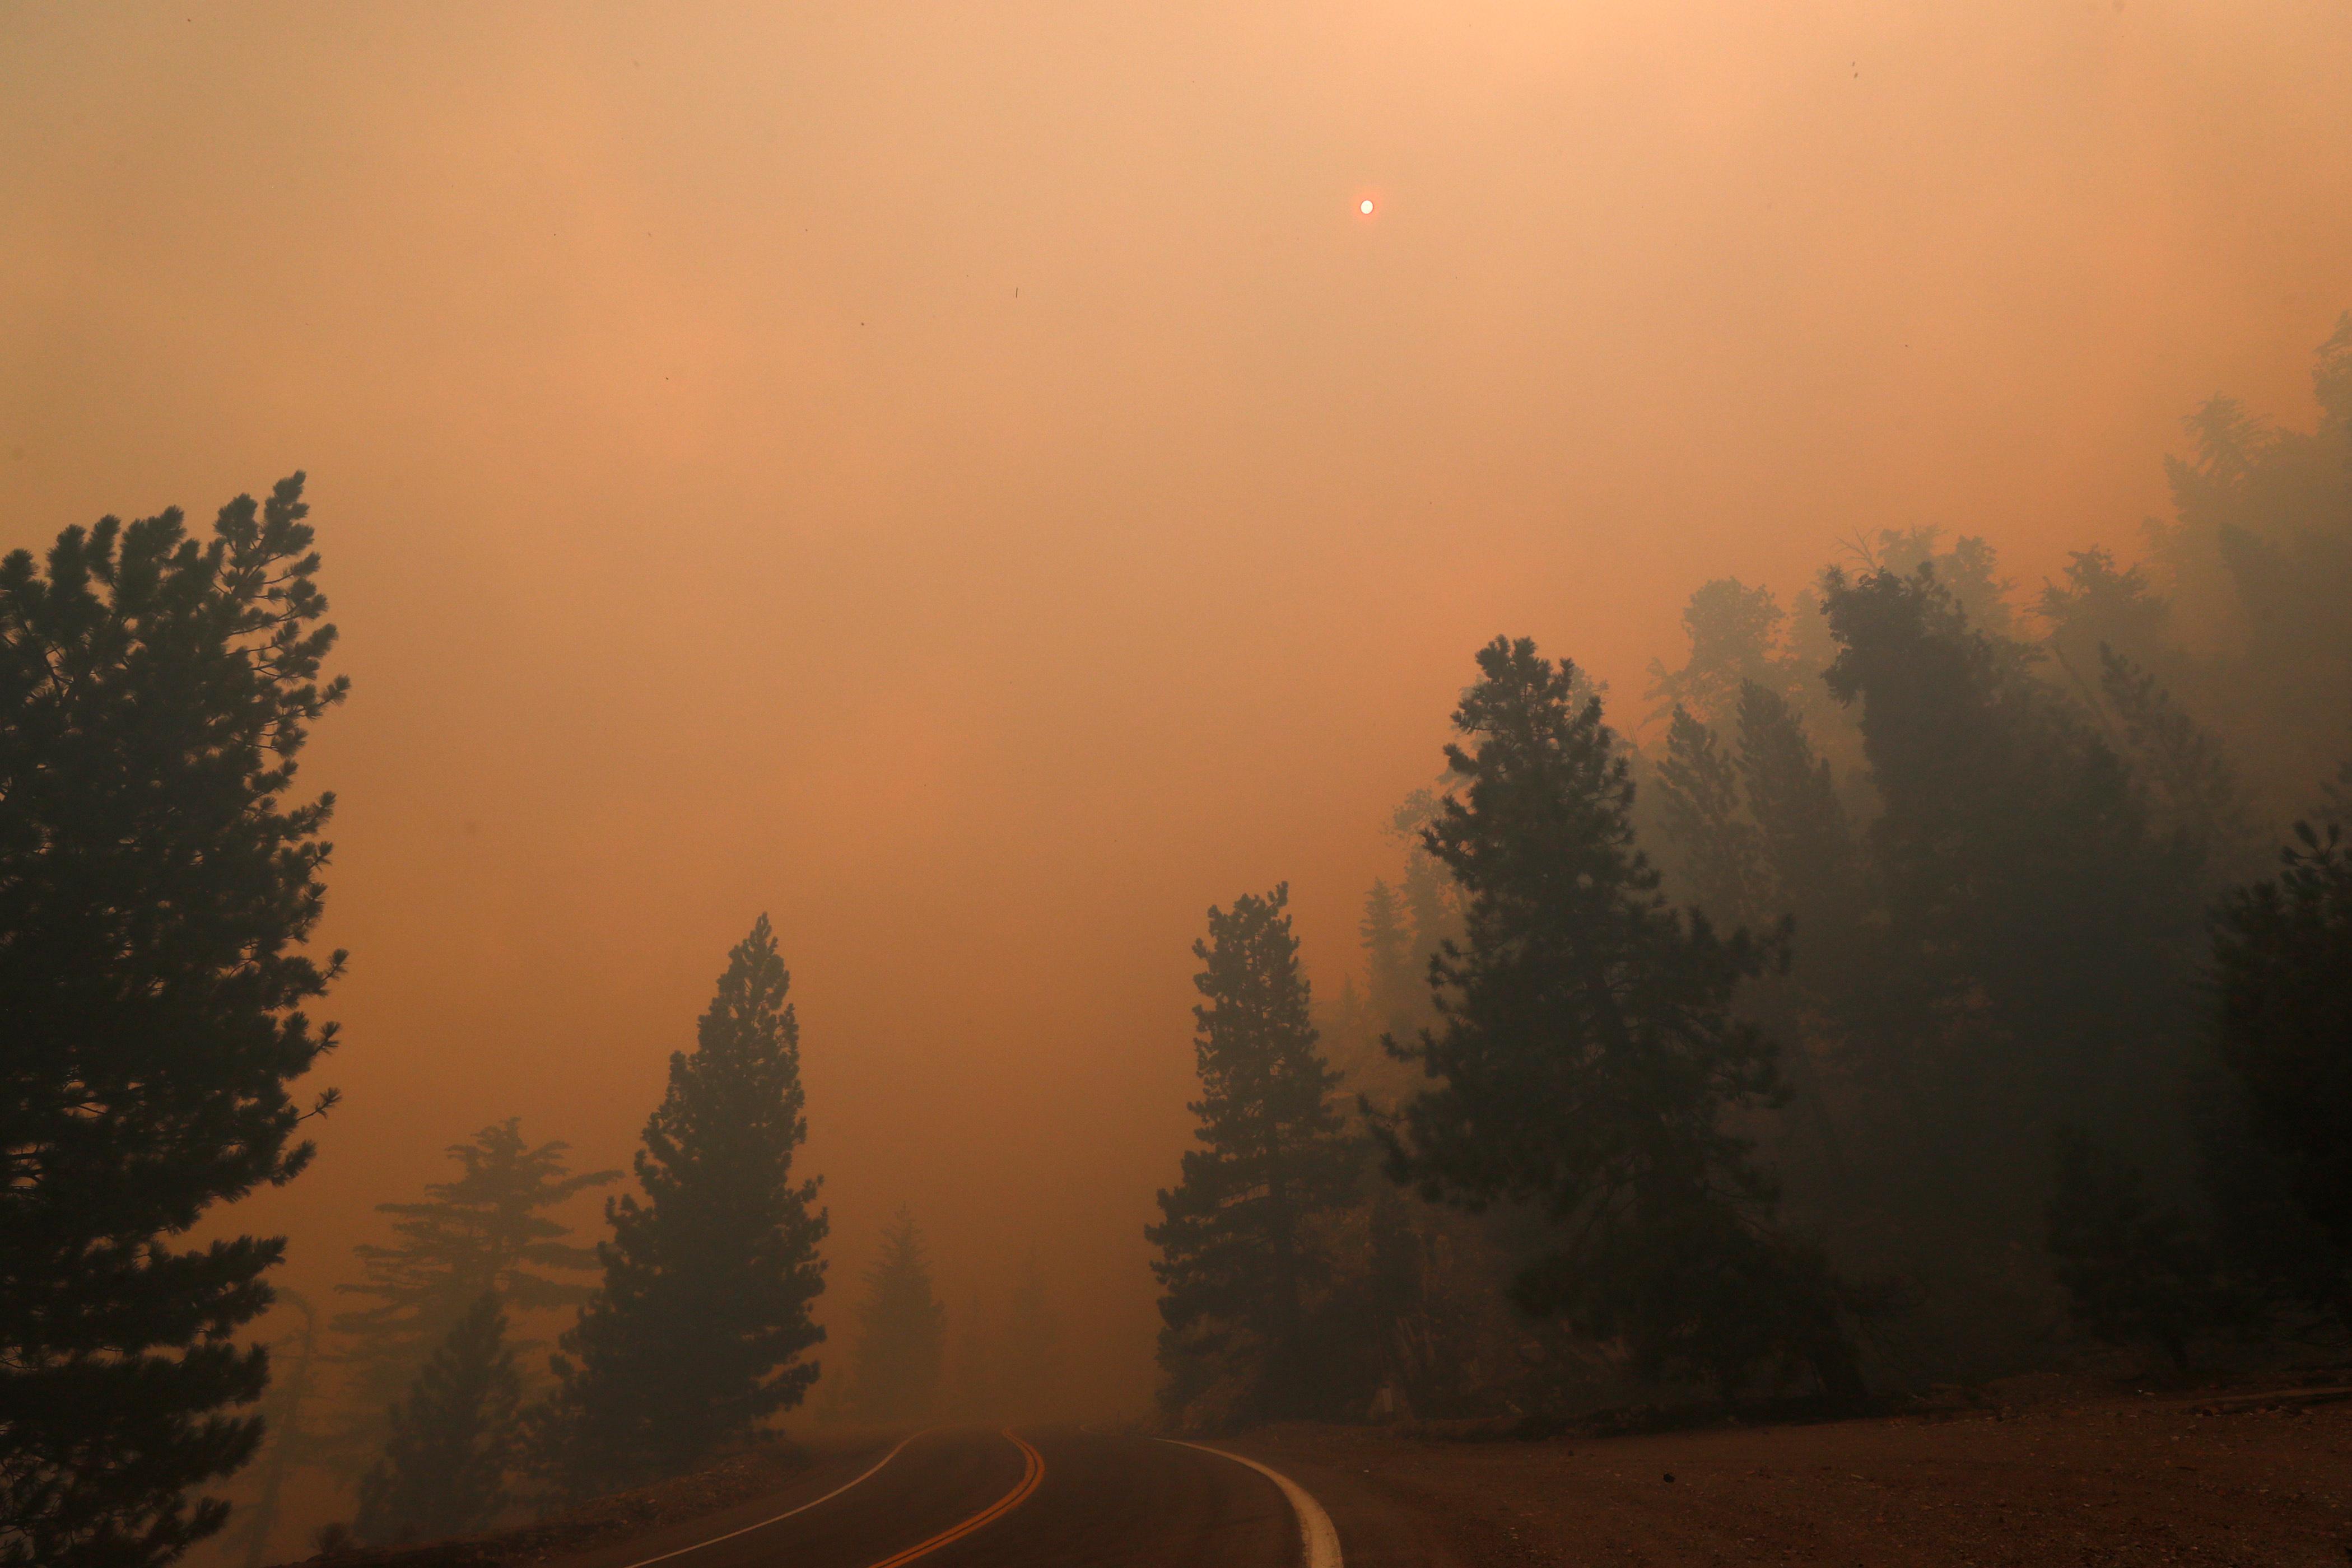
<point>1315,1531</point>
<point>867,1475</point>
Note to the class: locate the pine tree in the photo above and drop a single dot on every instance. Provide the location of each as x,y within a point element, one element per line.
<point>1810,865</point>
<point>1429,900</point>
<point>1590,1053</point>
<point>699,1332</point>
<point>444,1470</point>
<point>2283,1263</point>
<point>901,1332</point>
<point>2193,786</point>
<point>2259,561</point>
<point>1807,870</point>
<point>1238,1265</point>
<point>2029,909</point>
<point>290,1443</point>
<point>1735,638</point>
<point>1969,571</point>
<point>2282,970</point>
<point>157,883</point>
<point>486,1230</point>
<point>2131,1268</point>
<point>1722,858</point>
<point>2100,613</point>
<point>1388,946</point>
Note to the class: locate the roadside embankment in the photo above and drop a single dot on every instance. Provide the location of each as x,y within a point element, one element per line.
<point>2033,1474</point>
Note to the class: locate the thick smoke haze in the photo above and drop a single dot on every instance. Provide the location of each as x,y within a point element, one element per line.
<point>968,481</point>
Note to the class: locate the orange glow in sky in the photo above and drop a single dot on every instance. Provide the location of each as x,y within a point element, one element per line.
<point>713,528</point>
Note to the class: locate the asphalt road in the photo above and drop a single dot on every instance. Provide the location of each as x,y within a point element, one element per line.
<point>984,1498</point>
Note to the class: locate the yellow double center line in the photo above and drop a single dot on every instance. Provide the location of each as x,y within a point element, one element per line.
<point>1032,1471</point>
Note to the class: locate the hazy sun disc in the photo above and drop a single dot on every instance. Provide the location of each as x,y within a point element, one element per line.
<point>1365,206</point>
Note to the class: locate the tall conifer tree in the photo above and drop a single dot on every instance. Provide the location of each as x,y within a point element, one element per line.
<point>1237,1264</point>
<point>159,879</point>
<point>291,1445</point>
<point>1737,638</point>
<point>488,1229</point>
<point>699,1331</point>
<point>1722,857</point>
<point>2130,1265</point>
<point>1810,865</point>
<point>1588,1056</point>
<point>444,1470</point>
<point>2029,910</point>
<point>901,1332</point>
<point>1394,989</point>
<point>2283,972</point>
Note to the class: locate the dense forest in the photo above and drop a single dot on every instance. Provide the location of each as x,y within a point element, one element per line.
<point>1924,978</point>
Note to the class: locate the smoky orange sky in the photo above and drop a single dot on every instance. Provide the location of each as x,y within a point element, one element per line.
<point>966,479</point>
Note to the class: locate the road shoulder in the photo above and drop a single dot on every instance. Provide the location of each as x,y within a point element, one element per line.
<point>2114,1478</point>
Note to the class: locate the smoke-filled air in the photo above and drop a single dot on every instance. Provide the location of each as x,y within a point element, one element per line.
<point>1230,784</point>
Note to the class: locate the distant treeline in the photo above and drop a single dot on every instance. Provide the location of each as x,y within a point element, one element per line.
<point>1924,978</point>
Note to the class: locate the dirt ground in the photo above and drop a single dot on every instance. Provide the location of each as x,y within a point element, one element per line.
<point>2032,1476</point>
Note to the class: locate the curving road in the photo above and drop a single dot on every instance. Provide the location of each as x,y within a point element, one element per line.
<point>985,1498</point>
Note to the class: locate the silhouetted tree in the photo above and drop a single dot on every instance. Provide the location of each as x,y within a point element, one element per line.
<point>1388,949</point>
<point>1427,891</point>
<point>157,886</point>
<point>1428,898</point>
<point>2258,558</point>
<point>2101,610</point>
<point>2038,931</point>
<point>445,1466</point>
<point>1405,1324</point>
<point>2283,1263</point>
<point>1701,810</point>
<point>1737,638</point>
<point>1810,866</point>
<point>2132,1268</point>
<point>1969,571</point>
<point>1589,1054</point>
<point>290,1444</point>
<point>1237,1264</point>
<point>2283,969</point>
<point>487,1231</point>
<point>699,1331</point>
<point>2191,785</point>
<point>901,1332</point>
<point>1800,859</point>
